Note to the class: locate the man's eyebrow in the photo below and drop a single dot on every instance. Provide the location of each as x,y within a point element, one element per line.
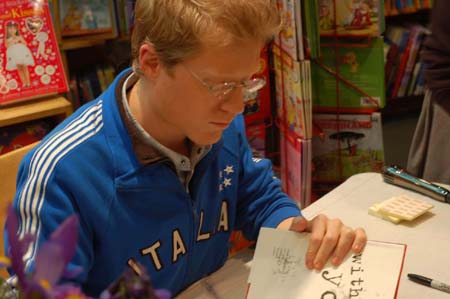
<point>226,79</point>
<point>216,76</point>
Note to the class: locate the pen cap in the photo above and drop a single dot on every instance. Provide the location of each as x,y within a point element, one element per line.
<point>420,279</point>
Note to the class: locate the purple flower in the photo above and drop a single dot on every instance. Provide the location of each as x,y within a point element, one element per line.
<point>134,286</point>
<point>162,294</point>
<point>56,253</point>
<point>51,259</point>
<point>68,291</point>
<point>17,247</point>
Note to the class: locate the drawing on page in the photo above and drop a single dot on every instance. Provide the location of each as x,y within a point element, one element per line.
<point>286,263</point>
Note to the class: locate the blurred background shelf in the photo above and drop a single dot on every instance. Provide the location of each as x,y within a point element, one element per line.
<point>35,109</point>
<point>85,41</point>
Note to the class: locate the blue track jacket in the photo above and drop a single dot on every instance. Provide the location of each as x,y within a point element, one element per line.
<point>132,213</point>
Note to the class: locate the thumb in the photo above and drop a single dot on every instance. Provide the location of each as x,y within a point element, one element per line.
<point>299,224</point>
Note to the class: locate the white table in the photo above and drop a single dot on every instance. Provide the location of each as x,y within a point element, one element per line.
<point>427,238</point>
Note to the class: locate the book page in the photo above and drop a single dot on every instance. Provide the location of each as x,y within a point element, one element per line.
<point>279,271</point>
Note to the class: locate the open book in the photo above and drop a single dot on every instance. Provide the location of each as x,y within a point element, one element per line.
<point>279,271</point>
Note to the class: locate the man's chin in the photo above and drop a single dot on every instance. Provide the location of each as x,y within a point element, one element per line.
<point>206,139</point>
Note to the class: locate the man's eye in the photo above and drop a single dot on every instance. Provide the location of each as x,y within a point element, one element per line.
<point>220,87</point>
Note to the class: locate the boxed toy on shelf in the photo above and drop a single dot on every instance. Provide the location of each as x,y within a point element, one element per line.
<point>30,62</point>
<point>86,17</point>
<point>350,144</point>
<point>351,17</point>
<point>350,77</point>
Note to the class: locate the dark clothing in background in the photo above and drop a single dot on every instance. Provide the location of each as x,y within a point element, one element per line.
<point>436,49</point>
<point>429,155</point>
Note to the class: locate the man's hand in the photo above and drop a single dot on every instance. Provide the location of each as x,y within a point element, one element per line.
<point>330,239</point>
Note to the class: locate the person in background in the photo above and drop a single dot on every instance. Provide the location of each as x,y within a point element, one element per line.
<point>427,156</point>
<point>158,168</point>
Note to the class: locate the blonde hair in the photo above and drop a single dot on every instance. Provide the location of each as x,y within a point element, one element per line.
<point>179,28</point>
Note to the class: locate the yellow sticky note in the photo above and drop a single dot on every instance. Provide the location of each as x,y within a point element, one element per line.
<point>404,207</point>
<point>375,211</point>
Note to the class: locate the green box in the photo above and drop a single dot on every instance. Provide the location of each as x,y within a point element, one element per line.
<point>359,68</point>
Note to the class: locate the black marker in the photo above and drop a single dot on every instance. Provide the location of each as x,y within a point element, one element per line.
<point>430,282</point>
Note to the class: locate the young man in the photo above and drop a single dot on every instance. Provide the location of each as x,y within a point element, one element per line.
<point>158,168</point>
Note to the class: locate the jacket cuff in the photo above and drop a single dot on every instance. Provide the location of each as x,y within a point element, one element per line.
<point>280,215</point>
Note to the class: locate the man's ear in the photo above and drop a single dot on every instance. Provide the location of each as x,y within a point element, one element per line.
<point>149,62</point>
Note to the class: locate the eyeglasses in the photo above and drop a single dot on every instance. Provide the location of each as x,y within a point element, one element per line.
<point>221,90</point>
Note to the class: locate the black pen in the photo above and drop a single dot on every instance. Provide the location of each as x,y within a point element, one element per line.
<point>430,282</point>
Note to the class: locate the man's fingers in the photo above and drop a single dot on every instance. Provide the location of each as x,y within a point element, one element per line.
<point>329,242</point>
<point>299,224</point>
<point>318,229</point>
<point>360,240</point>
<point>345,243</point>
<point>329,239</point>
<point>349,240</point>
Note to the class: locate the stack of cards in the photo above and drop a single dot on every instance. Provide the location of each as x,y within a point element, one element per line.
<point>400,208</point>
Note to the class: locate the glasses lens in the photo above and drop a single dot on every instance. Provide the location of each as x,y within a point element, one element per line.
<point>254,85</point>
<point>221,90</point>
<point>250,88</point>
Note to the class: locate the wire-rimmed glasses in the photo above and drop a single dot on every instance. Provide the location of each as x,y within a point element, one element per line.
<point>221,90</point>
